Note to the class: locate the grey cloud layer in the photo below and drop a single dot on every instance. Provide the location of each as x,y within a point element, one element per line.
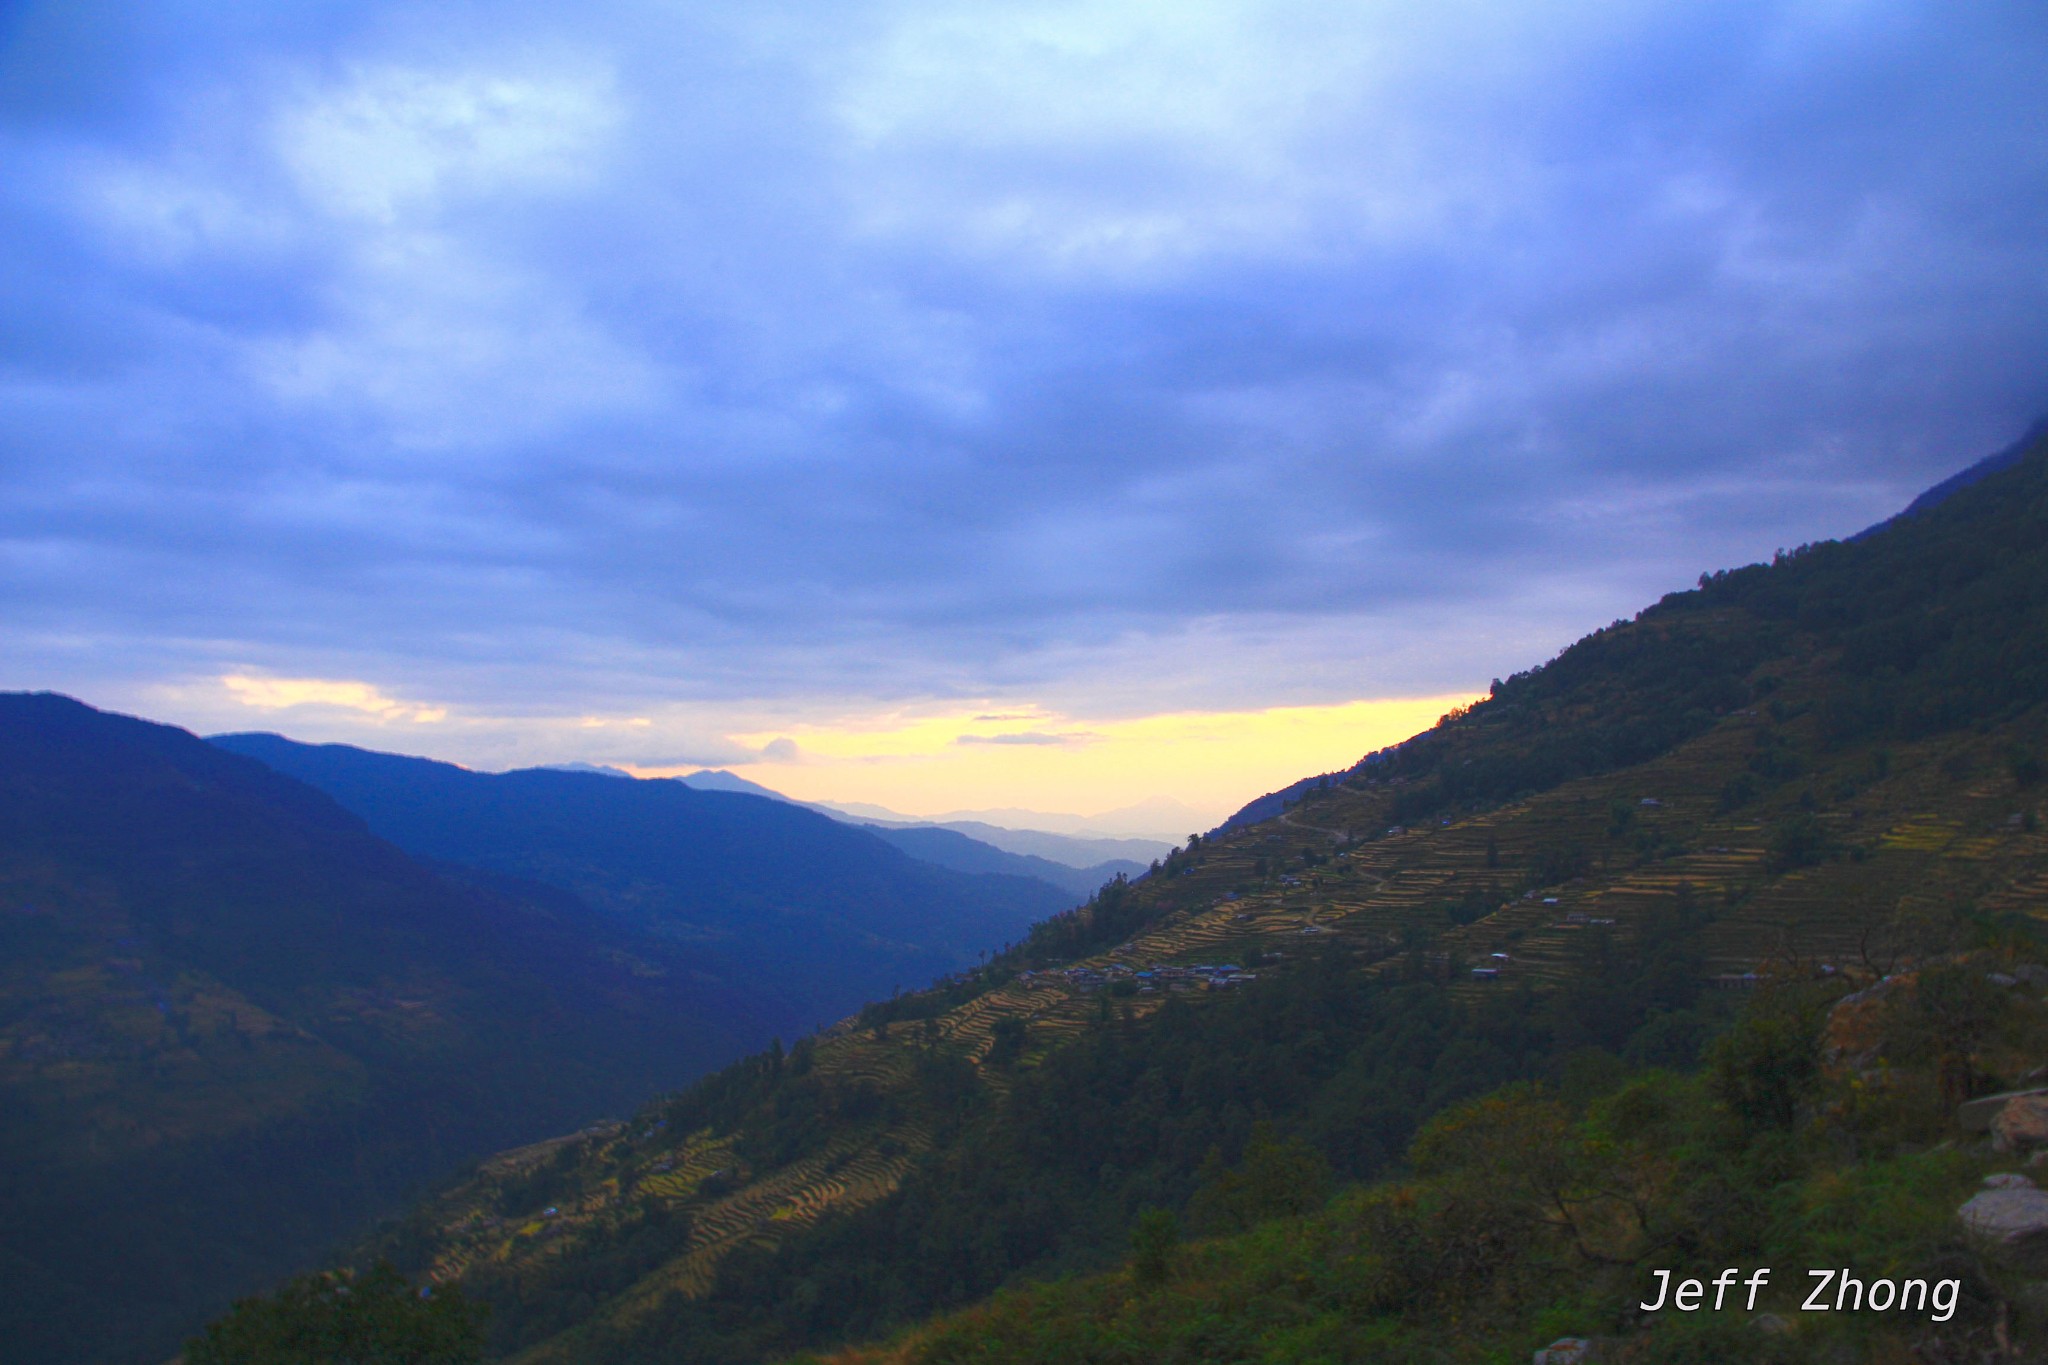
<point>921,348</point>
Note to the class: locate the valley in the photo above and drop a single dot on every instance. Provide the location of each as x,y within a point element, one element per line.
<point>228,988</point>
<point>236,1026</point>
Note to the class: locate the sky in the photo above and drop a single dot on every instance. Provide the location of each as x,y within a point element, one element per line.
<point>949,405</point>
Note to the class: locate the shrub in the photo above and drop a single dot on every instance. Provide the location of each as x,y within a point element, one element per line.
<point>331,1318</point>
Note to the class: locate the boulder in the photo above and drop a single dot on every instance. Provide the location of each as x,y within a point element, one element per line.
<point>2014,1220</point>
<point>2007,1180</point>
<point>1853,1036</point>
<point>2022,1125</point>
<point>1976,1115</point>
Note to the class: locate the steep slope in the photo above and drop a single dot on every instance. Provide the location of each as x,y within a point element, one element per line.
<point>1263,808</point>
<point>1832,761</point>
<point>1530,1214</point>
<point>1955,483</point>
<point>234,1026</point>
<point>814,911</point>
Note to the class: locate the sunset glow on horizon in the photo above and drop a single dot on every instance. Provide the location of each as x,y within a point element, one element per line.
<point>922,761</point>
<point>1213,761</point>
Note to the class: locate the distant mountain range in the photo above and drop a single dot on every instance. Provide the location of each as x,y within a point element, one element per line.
<point>600,769</point>
<point>719,780</point>
<point>1159,820</point>
<point>951,847</point>
<point>1074,850</point>
<point>1077,866</point>
<point>1097,858</point>
<point>815,915</point>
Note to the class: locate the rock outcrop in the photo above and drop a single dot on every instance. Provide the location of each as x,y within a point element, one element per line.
<point>1853,1037</point>
<point>1978,1115</point>
<point>2011,1216</point>
<point>2021,1125</point>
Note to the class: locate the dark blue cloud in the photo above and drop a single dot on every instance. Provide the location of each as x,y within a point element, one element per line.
<point>1253,354</point>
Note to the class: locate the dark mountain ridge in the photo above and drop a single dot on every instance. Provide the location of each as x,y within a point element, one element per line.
<point>234,1024</point>
<point>1087,852</point>
<point>1957,482</point>
<point>1876,610</point>
<point>719,780</point>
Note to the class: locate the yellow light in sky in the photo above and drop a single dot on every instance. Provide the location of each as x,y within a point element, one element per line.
<point>923,761</point>
<point>1214,761</point>
<point>277,694</point>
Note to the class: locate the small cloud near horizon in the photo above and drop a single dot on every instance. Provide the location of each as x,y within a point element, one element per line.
<point>1025,737</point>
<point>283,694</point>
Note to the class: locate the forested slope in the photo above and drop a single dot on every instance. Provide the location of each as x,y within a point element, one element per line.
<point>1826,766</point>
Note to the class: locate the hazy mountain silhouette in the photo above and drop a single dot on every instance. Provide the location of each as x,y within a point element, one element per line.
<point>822,914</point>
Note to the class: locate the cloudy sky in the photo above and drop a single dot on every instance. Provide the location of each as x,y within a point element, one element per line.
<point>964,404</point>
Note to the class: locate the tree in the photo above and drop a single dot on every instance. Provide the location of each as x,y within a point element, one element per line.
<point>1009,1037</point>
<point>1763,1067</point>
<point>339,1318</point>
<point>1153,1240</point>
<point>1952,1012</point>
<point>1276,1179</point>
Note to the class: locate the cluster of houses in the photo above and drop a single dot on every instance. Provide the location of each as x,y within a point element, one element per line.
<point>1491,969</point>
<point>1178,979</point>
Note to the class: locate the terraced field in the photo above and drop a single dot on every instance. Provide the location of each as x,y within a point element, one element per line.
<point>846,1176</point>
<point>1373,895</point>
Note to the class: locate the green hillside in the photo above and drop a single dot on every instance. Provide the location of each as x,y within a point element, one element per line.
<point>1539,1212</point>
<point>1821,768</point>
